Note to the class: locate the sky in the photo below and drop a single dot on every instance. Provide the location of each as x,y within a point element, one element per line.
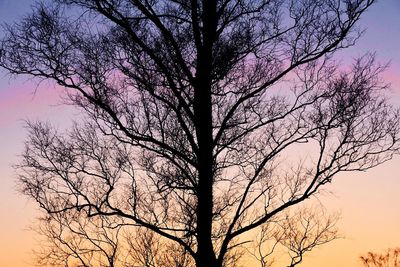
<point>368,201</point>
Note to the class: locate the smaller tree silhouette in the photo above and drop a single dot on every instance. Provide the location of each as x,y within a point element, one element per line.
<point>71,239</point>
<point>389,259</point>
<point>297,233</point>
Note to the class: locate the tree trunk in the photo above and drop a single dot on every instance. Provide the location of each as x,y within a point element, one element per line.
<point>203,113</point>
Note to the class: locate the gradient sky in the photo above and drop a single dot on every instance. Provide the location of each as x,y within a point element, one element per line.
<point>369,202</point>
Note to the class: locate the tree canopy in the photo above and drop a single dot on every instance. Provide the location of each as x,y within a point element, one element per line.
<point>202,121</point>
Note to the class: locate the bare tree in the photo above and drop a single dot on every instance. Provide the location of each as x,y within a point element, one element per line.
<point>305,231</point>
<point>203,120</point>
<point>149,250</point>
<point>71,239</point>
<point>389,259</point>
<point>297,233</point>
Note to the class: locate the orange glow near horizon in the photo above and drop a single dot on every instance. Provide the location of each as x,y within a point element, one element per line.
<point>368,201</point>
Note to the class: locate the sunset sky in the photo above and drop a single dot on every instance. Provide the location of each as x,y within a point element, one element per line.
<point>369,202</point>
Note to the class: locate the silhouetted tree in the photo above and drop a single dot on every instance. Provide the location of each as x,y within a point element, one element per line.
<point>389,259</point>
<point>75,240</point>
<point>72,239</point>
<point>202,120</point>
<point>298,233</point>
